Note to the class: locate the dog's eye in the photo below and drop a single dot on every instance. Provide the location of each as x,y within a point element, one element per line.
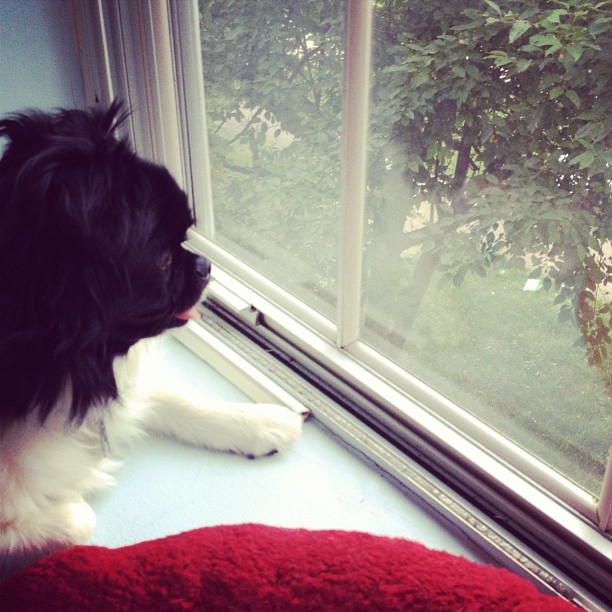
<point>165,261</point>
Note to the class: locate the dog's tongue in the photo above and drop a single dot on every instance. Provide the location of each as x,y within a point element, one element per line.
<point>192,313</point>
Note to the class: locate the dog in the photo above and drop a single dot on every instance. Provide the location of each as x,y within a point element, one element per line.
<point>92,269</point>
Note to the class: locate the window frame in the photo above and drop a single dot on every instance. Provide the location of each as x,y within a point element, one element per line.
<point>345,334</point>
<point>143,52</point>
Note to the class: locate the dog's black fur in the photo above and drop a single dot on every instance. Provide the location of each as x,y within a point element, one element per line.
<point>90,258</point>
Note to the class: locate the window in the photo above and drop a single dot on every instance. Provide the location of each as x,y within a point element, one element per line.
<point>486,217</point>
<point>412,200</point>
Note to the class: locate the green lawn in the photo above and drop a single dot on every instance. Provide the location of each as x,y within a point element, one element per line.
<point>499,351</point>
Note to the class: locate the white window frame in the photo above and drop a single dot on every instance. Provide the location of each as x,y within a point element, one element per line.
<point>131,49</point>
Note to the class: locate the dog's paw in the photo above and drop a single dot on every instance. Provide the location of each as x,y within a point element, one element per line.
<point>266,429</point>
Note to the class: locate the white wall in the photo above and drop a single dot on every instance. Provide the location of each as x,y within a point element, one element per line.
<point>38,62</point>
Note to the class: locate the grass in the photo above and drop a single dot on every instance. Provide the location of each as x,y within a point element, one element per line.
<point>500,352</point>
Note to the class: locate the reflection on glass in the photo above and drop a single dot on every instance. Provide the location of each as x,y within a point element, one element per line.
<point>489,261</point>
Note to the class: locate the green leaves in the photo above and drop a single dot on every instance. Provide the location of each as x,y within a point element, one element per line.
<point>555,92</point>
<point>546,40</point>
<point>493,6</point>
<point>517,30</point>
<point>584,160</point>
<point>573,97</point>
<point>420,78</point>
<point>570,94</point>
<point>575,50</point>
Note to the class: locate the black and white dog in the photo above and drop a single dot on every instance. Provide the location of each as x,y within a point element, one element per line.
<point>91,269</point>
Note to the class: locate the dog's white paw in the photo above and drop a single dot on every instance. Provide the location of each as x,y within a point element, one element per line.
<point>266,429</point>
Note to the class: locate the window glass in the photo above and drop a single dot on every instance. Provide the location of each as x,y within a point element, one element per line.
<point>272,77</point>
<point>489,262</point>
<point>487,267</point>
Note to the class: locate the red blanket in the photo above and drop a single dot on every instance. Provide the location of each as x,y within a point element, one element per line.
<point>253,567</point>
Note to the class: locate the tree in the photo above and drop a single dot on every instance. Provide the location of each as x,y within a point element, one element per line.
<point>494,114</point>
<point>273,78</point>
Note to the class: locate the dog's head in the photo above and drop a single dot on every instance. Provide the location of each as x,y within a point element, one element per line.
<point>90,258</point>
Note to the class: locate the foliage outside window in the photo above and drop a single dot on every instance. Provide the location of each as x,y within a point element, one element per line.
<point>488,257</point>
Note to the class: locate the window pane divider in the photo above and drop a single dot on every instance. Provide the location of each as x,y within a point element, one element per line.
<point>354,151</point>
<point>185,32</point>
<point>604,508</point>
<point>92,48</point>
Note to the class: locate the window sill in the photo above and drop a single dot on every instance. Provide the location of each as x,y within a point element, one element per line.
<point>165,488</point>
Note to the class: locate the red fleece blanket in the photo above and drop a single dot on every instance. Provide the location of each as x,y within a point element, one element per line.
<point>253,567</point>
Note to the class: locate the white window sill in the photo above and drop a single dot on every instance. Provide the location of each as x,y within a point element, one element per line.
<point>166,488</point>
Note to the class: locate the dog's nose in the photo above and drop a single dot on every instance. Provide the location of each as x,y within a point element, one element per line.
<point>203,267</point>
